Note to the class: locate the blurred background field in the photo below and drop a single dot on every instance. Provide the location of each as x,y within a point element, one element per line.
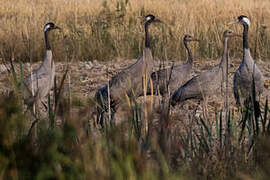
<point>109,29</point>
<point>101,38</point>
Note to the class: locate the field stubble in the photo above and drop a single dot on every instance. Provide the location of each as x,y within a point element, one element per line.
<point>118,149</point>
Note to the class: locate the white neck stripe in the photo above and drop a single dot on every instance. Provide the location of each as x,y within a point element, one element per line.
<point>246,20</point>
<point>46,27</point>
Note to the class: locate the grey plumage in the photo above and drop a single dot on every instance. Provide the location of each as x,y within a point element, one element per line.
<point>42,80</point>
<point>175,76</point>
<point>247,71</point>
<point>206,83</point>
<point>38,84</point>
<point>129,81</point>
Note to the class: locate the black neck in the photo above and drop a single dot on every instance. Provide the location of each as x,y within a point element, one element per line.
<point>190,58</point>
<point>147,42</point>
<point>47,43</point>
<point>245,36</point>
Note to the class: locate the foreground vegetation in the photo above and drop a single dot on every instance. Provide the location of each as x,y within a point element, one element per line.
<point>108,29</point>
<point>144,147</point>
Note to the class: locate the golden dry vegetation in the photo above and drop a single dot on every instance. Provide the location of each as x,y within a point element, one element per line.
<point>102,30</point>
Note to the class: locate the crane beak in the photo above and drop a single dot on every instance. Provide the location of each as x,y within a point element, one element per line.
<point>143,22</point>
<point>233,22</point>
<point>236,35</point>
<point>56,27</point>
<point>158,21</point>
<point>196,40</point>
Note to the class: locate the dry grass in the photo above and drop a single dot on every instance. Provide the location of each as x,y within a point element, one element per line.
<point>103,30</point>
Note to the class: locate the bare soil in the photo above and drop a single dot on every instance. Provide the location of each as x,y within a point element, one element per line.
<point>86,77</point>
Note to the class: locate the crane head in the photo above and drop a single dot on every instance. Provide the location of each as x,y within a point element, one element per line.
<point>241,20</point>
<point>50,26</point>
<point>229,33</point>
<point>189,37</point>
<point>151,18</point>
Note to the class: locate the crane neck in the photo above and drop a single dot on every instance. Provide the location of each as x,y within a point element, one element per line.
<point>190,57</point>
<point>47,63</point>
<point>48,60</point>
<point>245,36</point>
<point>47,43</point>
<point>225,51</point>
<point>147,42</point>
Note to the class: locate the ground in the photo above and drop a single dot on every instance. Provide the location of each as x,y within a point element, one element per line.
<point>86,77</point>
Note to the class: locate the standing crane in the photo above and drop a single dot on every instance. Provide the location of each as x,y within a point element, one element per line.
<point>129,81</point>
<point>175,76</point>
<point>206,83</point>
<point>38,84</point>
<point>248,73</point>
